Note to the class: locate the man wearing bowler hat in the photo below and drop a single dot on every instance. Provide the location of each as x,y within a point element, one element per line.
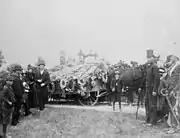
<point>44,79</point>
<point>18,89</point>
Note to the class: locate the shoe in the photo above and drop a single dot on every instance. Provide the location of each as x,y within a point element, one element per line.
<point>148,124</point>
<point>27,114</point>
<point>171,131</point>
<point>14,123</point>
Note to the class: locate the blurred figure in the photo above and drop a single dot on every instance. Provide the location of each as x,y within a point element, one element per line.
<point>44,79</point>
<point>7,100</point>
<point>18,91</point>
<point>173,87</point>
<point>30,79</point>
<point>116,87</point>
<point>153,82</point>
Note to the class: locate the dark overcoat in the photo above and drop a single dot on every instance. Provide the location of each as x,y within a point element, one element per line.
<point>6,110</point>
<point>117,85</point>
<point>46,80</point>
<point>153,82</point>
<point>18,88</point>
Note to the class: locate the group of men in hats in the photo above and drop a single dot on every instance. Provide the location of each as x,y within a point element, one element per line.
<point>12,95</point>
<point>153,93</point>
<point>171,81</point>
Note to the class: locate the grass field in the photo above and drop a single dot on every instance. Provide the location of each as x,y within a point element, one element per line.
<point>84,123</point>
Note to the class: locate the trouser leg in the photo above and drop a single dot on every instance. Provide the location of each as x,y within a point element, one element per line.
<point>41,107</point>
<point>147,110</point>
<point>27,109</point>
<point>1,130</point>
<point>43,102</point>
<point>153,115</point>
<point>130,96</point>
<point>4,130</point>
<point>16,113</point>
<point>120,101</point>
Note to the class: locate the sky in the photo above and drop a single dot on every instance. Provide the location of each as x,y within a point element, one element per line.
<point>115,29</point>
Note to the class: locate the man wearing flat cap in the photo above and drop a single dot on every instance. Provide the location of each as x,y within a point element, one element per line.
<point>18,89</point>
<point>44,79</point>
<point>116,87</point>
<point>7,100</point>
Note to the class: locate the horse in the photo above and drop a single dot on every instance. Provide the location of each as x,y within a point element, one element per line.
<point>132,80</point>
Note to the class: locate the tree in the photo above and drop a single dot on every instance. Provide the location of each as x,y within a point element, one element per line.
<point>2,61</point>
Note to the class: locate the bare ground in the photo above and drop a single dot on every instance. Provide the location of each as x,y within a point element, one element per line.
<point>87,122</point>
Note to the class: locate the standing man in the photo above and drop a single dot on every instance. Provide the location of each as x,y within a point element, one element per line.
<point>116,87</point>
<point>44,79</point>
<point>153,81</point>
<point>18,91</point>
<point>173,87</point>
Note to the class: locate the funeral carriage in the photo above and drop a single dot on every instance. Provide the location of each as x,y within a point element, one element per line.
<point>84,83</point>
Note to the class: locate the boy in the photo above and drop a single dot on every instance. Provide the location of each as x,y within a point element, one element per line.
<point>7,100</point>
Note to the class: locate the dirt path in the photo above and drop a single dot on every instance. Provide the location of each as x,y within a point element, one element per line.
<point>64,121</point>
<point>104,108</point>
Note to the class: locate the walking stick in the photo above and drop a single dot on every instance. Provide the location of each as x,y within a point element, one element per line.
<point>171,108</point>
<point>138,104</point>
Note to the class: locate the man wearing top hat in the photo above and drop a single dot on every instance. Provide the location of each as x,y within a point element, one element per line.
<point>153,81</point>
<point>44,79</point>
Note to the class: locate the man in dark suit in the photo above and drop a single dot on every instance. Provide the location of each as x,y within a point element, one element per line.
<point>116,87</point>
<point>153,81</point>
<point>44,79</point>
<point>30,79</point>
<point>18,91</point>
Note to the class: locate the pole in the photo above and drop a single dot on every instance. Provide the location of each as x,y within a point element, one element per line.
<point>171,108</point>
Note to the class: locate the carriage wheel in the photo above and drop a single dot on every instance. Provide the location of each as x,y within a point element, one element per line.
<point>89,99</point>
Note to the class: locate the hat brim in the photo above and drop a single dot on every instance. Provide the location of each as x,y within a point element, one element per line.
<point>9,80</point>
<point>41,64</point>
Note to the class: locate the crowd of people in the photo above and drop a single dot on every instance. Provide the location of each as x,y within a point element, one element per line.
<point>162,93</point>
<point>13,95</point>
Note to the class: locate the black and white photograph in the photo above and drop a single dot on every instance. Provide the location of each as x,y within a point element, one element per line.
<point>89,68</point>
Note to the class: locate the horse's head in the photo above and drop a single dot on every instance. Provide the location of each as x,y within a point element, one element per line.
<point>143,68</point>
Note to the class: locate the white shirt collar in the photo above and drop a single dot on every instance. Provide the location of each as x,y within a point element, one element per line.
<point>41,71</point>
